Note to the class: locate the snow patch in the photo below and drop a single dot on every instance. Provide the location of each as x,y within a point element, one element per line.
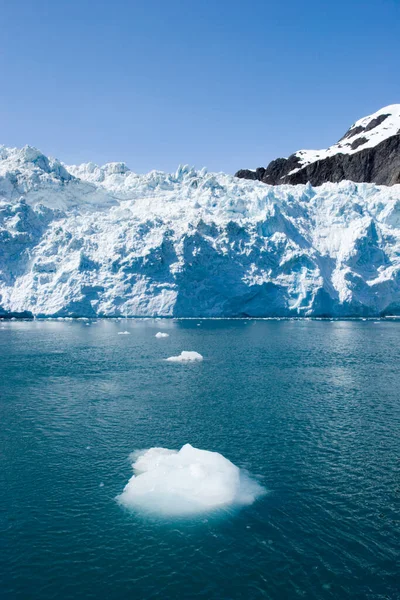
<point>188,482</point>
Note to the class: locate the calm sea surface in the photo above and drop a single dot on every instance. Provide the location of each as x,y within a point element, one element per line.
<point>310,408</point>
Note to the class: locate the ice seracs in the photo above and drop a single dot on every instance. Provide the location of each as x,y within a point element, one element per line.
<point>191,244</point>
<point>188,482</point>
<point>185,356</point>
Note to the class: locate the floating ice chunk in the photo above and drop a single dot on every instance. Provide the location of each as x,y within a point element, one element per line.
<point>187,482</point>
<point>160,335</point>
<point>185,356</point>
<point>124,333</point>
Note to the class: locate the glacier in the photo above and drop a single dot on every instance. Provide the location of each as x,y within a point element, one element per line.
<point>94,241</point>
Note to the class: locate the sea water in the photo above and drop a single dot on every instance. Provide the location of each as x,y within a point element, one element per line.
<point>310,410</point>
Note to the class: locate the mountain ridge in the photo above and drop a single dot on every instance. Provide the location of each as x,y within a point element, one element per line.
<point>368,152</point>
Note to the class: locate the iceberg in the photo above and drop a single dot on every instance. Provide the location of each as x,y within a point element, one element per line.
<point>186,482</point>
<point>160,335</point>
<point>186,356</point>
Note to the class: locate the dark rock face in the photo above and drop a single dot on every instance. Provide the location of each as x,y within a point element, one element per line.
<point>375,122</point>
<point>357,143</point>
<point>380,164</point>
<point>258,174</point>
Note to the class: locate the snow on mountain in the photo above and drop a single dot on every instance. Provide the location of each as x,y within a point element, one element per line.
<point>367,132</point>
<point>89,240</point>
<point>368,152</point>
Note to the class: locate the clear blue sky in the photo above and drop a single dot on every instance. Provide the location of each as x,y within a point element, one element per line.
<point>223,83</point>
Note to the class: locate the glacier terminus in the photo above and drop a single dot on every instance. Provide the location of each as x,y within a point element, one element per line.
<point>104,241</point>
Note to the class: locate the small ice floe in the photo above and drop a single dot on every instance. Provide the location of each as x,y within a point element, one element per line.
<point>188,482</point>
<point>185,356</point>
<point>101,484</point>
<point>160,335</point>
<point>124,333</point>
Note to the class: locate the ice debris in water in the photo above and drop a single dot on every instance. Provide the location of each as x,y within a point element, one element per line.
<point>186,482</point>
<point>185,356</point>
<point>123,333</point>
<point>160,335</point>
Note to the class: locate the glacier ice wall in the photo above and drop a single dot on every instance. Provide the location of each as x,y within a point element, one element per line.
<point>88,240</point>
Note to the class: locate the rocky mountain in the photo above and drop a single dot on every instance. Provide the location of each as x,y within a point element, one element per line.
<point>89,240</point>
<point>368,152</point>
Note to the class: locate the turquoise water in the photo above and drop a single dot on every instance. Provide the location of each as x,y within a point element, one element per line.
<point>310,408</point>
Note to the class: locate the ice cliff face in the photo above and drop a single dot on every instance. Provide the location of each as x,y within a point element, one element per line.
<point>89,240</point>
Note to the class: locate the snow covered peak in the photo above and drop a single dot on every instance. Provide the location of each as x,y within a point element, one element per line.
<point>377,127</point>
<point>369,152</point>
<point>367,132</point>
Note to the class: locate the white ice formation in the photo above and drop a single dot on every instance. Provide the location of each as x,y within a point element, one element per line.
<point>104,241</point>
<point>188,482</point>
<point>186,356</point>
